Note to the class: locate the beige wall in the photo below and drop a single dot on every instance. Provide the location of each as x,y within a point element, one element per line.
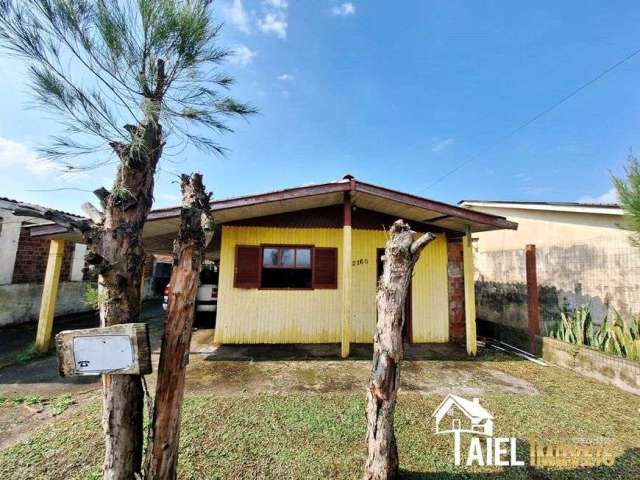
<point>585,257</point>
<point>546,228</point>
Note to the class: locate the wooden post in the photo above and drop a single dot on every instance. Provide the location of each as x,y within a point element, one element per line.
<point>533,304</point>
<point>346,277</point>
<point>469,295</point>
<point>49,295</point>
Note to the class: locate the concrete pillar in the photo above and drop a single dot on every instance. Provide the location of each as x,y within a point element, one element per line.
<point>77,263</point>
<point>469,295</point>
<point>346,278</point>
<point>49,295</point>
<point>9,237</point>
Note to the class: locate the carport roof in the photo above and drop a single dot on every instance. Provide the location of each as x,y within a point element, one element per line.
<point>166,221</point>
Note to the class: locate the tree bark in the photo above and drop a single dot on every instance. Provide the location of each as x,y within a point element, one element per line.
<point>400,255</point>
<point>115,249</point>
<point>195,234</point>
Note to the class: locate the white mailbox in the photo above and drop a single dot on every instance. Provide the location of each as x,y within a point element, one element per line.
<point>102,353</point>
<point>119,349</point>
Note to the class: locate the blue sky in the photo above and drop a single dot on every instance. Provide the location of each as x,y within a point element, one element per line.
<point>395,93</point>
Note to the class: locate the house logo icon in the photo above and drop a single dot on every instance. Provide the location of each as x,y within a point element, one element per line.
<point>459,415</point>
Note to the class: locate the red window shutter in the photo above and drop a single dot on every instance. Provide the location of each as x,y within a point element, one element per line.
<point>247,269</point>
<point>325,268</point>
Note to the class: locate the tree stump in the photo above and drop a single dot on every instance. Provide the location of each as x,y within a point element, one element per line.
<point>400,255</point>
<point>196,231</point>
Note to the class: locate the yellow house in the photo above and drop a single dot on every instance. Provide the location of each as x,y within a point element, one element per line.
<point>301,265</point>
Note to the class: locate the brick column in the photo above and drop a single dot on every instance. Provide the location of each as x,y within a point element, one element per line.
<point>455,272</point>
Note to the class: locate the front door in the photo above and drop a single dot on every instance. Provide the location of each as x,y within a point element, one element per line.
<point>407,332</point>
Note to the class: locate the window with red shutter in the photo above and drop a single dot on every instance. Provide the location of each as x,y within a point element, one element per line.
<point>285,267</point>
<point>247,269</point>
<point>325,268</point>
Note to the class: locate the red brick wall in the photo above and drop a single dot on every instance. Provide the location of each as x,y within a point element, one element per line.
<point>31,259</point>
<point>455,270</point>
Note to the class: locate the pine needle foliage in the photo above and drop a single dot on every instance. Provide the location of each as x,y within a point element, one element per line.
<point>628,188</point>
<point>95,63</point>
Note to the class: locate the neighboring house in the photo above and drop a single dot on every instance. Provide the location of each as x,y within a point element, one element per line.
<point>457,414</point>
<point>301,265</point>
<point>584,257</point>
<point>23,261</point>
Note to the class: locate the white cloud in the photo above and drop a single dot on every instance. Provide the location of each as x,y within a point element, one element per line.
<point>237,16</point>
<point>286,77</point>
<point>344,9</point>
<point>274,22</point>
<point>14,154</point>
<point>271,17</point>
<point>440,145</point>
<point>242,55</point>
<point>610,196</point>
<point>277,3</point>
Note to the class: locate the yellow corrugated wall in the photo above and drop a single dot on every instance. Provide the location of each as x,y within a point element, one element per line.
<point>314,316</point>
<point>430,301</point>
<point>363,298</point>
<point>271,316</point>
<point>430,294</point>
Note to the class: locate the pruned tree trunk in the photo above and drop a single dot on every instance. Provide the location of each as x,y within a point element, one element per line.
<point>115,249</point>
<point>400,255</point>
<point>195,234</point>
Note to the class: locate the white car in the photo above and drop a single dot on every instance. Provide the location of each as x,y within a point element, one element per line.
<point>207,298</point>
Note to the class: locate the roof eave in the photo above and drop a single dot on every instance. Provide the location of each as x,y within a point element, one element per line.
<point>487,219</point>
<point>492,222</point>
<point>604,209</point>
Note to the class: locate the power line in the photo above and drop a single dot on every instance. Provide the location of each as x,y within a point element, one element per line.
<point>534,118</point>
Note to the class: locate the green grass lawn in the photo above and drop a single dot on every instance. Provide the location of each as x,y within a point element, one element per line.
<point>321,435</point>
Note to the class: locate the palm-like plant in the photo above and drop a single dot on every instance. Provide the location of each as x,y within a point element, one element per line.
<point>613,336</point>
<point>575,327</point>
<point>125,77</point>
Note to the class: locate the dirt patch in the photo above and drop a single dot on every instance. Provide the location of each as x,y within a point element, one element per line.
<point>226,378</point>
<point>18,421</point>
<point>465,378</point>
<point>324,376</point>
<point>20,415</point>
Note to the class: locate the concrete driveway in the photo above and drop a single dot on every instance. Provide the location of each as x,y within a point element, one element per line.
<point>40,376</point>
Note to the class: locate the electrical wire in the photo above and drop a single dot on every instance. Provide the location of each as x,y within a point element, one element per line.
<point>534,118</point>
